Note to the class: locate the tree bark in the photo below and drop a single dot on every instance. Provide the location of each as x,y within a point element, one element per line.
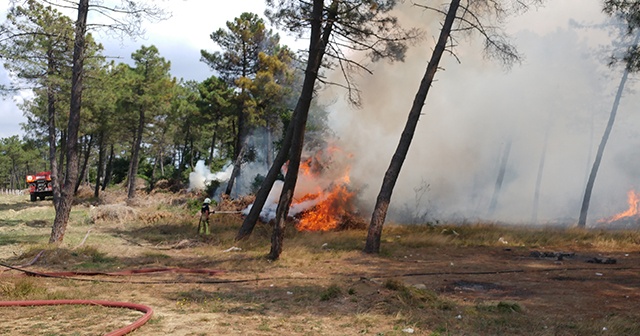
<point>108,170</point>
<point>64,209</point>
<point>582,221</point>
<point>239,150</point>
<point>100,166</point>
<point>135,153</point>
<point>51,111</point>
<point>318,42</point>
<point>213,145</point>
<point>391,176</point>
<point>85,162</point>
<point>269,145</point>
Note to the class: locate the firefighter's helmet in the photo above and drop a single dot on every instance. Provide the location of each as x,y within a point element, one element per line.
<point>207,200</point>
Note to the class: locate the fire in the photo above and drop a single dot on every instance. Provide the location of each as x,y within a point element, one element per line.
<point>325,181</point>
<point>633,199</point>
<point>326,215</point>
<point>324,196</point>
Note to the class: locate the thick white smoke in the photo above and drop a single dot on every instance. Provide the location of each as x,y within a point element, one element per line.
<point>202,175</point>
<point>561,96</point>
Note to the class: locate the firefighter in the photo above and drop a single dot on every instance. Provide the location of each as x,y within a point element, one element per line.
<point>205,211</point>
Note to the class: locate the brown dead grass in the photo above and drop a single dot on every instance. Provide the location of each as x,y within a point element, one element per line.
<point>477,279</point>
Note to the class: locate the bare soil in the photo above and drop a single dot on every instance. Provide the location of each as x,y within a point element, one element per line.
<point>326,288</point>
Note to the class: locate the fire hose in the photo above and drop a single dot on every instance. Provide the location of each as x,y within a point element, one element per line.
<point>114,304</point>
<point>122,331</point>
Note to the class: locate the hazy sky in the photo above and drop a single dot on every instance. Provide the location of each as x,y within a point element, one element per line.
<point>560,96</point>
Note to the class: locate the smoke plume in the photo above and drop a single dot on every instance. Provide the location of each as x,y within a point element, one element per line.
<point>544,117</point>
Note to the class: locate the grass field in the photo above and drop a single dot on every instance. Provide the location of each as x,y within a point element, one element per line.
<point>473,279</point>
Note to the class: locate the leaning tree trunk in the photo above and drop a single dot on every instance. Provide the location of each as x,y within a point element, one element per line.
<point>64,209</point>
<point>582,221</point>
<point>318,42</point>
<point>391,176</point>
<point>251,219</point>
<point>135,153</point>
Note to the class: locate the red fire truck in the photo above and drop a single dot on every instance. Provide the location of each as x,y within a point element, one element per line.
<point>40,185</point>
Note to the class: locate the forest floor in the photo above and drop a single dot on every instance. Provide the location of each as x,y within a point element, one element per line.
<point>480,279</point>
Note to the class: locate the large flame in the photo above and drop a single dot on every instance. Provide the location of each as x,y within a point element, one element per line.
<point>633,199</point>
<point>331,192</point>
<point>323,198</point>
<point>326,215</point>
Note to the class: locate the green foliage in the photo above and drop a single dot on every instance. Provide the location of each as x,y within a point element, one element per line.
<point>262,73</point>
<point>17,160</point>
<point>120,168</point>
<point>193,205</point>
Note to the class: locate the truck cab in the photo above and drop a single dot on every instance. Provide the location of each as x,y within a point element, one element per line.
<point>40,185</point>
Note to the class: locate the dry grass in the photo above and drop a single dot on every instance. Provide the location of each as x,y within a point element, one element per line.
<point>322,285</point>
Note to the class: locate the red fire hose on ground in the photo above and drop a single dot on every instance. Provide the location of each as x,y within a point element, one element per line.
<point>122,331</point>
<point>139,307</point>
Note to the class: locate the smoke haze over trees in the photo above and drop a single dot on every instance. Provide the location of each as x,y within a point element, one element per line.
<point>564,88</point>
<point>476,108</point>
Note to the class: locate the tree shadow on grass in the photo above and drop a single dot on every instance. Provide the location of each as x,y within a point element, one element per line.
<point>23,205</point>
<point>22,239</point>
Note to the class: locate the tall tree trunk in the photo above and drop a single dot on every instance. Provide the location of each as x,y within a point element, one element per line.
<point>318,42</point>
<point>391,176</point>
<point>100,167</point>
<point>64,207</point>
<point>501,171</point>
<point>161,163</point>
<point>582,221</point>
<point>183,156</point>
<point>61,159</point>
<point>236,169</point>
<point>85,162</point>
<point>109,169</point>
<point>51,111</point>
<point>213,145</point>
<point>239,150</point>
<point>269,145</point>
<point>135,153</point>
<point>536,194</point>
<point>192,164</point>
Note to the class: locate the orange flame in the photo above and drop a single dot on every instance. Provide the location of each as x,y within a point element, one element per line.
<point>334,200</point>
<point>325,215</point>
<point>633,199</point>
